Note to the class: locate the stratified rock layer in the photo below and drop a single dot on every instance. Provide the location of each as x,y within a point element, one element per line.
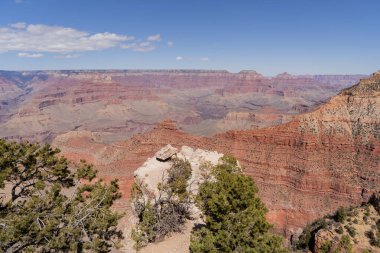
<point>119,103</point>
<point>304,169</point>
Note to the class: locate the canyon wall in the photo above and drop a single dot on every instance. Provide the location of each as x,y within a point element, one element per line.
<point>306,168</point>
<point>116,104</point>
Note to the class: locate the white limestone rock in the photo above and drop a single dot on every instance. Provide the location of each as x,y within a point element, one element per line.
<point>153,171</point>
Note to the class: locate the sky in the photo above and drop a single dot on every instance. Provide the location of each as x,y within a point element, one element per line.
<point>269,36</point>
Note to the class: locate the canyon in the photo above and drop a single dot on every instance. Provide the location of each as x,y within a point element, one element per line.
<point>308,167</point>
<point>116,104</point>
<point>311,143</point>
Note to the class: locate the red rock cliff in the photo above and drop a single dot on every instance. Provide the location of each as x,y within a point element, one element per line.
<point>304,169</point>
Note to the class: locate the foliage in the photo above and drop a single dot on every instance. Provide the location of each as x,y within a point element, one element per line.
<point>367,212</point>
<point>306,239</point>
<point>370,234</point>
<point>326,247</point>
<point>351,230</point>
<point>339,230</point>
<point>375,242</point>
<point>145,232</point>
<point>178,176</point>
<point>375,201</point>
<point>45,208</point>
<point>345,244</point>
<point>165,213</point>
<point>374,237</point>
<point>340,215</point>
<point>234,215</point>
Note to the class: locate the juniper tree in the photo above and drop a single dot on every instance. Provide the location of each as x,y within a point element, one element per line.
<point>45,208</point>
<point>234,215</point>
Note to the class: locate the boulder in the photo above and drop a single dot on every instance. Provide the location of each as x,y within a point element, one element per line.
<point>166,153</point>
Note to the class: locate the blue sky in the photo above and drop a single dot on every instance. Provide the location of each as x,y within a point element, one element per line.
<point>269,36</point>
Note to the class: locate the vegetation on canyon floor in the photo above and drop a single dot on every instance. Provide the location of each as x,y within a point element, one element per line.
<point>44,206</point>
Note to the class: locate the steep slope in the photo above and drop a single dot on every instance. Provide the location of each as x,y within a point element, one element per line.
<point>319,161</point>
<point>304,169</point>
<point>117,104</point>
<point>355,228</point>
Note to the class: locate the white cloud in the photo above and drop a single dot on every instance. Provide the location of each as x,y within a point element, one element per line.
<point>145,46</point>
<point>156,37</point>
<point>30,55</point>
<point>179,58</point>
<point>19,25</point>
<point>170,43</point>
<point>55,39</point>
<point>204,59</point>
<point>68,56</point>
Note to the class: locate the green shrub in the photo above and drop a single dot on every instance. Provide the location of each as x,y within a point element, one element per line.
<point>326,247</point>
<point>340,215</point>
<point>370,234</point>
<point>375,201</point>
<point>234,215</point>
<point>375,242</point>
<point>345,244</point>
<point>305,239</point>
<point>339,230</point>
<point>351,230</point>
<point>178,176</point>
<point>367,211</point>
<point>145,232</point>
<point>374,237</point>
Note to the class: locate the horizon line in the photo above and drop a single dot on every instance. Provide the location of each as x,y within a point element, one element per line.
<point>179,70</point>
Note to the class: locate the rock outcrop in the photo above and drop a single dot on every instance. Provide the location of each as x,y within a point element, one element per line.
<point>153,171</point>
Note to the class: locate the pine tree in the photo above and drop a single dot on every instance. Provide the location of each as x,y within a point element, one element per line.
<point>45,208</point>
<point>234,215</point>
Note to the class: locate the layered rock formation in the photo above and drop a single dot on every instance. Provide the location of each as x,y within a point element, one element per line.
<point>317,162</point>
<point>304,169</point>
<point>117,104</point>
